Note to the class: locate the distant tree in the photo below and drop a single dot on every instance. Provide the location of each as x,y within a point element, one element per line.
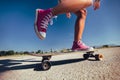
<point>2,53</point>
<point>32,52</point>
<point>51,50</point>
<point>55,51</point>
<point>10,52</point>
<point>42,52</point>
<point>26,52</point>
<point>105,46</point>
<point>46,52</point>
<point>39,51</point>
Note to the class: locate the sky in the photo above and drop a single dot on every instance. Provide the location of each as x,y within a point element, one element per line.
<point>17,26</point>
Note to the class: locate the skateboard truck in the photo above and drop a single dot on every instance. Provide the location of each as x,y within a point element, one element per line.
<point>46,58</point>
<point>97,57</point>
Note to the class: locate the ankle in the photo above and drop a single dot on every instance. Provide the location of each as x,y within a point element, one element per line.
<point>53,11</point>
<point>77,40</point>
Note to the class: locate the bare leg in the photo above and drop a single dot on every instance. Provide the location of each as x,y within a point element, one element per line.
<point>80,23</point>
<point>43,16</point>
<point>79,28</point>
<point>71,6</point>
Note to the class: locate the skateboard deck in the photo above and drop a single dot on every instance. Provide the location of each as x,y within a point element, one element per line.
<point>60,53</point>
<point>46,64</point>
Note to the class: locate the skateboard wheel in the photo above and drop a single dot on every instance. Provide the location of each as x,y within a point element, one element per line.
<point>99,57</point>
<point>46,65</point>
<point>86,56</point>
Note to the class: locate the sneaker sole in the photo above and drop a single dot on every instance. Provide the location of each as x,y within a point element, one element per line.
<point>35,27</point>
<point>89,49</point>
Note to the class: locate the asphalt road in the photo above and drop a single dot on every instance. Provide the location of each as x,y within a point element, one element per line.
<point>64,67</point>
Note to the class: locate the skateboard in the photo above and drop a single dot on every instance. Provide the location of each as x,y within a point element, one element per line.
<point>46,64</point>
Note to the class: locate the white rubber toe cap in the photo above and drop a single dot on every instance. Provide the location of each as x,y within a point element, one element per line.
<point>42,35</point>
<point>91,49</point>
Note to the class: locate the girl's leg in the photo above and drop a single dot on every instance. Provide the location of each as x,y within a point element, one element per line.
<point>80,24</point>
<point>43,16</point>
<point>79,28</point>
<point>71,6</point>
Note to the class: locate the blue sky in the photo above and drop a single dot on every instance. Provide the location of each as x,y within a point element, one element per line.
<point>17,26</point>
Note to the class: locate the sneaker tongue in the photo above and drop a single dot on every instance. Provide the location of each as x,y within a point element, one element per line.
<point>81,43</point>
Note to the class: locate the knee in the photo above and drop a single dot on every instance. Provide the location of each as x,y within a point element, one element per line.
<point>81,13</point>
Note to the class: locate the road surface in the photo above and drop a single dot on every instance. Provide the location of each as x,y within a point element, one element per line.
<point>64,67</point>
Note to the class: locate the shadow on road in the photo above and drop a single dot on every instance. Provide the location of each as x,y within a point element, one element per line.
<point>60,62</point>
<point>9,64</point>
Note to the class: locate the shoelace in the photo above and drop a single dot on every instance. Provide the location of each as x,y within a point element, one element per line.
<point>45,21</point>
<point>51,20</point>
